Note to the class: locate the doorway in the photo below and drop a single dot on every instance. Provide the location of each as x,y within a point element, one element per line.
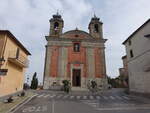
<point>76,78</point>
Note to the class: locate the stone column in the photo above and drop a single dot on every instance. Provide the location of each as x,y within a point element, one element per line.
<point>47,67</point>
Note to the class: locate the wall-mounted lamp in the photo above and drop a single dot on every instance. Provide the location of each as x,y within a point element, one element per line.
<point>2,61</point>
<point>2,71</point>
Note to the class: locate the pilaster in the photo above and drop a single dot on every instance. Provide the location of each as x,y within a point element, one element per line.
<point>90,62</point>
<point>62,63</point>
<point>47,67</point>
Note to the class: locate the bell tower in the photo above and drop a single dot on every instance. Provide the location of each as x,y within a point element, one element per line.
<point>95,27</point>
<point>56,25</point>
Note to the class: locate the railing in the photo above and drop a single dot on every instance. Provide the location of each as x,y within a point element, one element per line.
<point>19,58</point>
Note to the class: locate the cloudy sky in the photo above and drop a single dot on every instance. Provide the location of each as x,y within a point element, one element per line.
<point>28,20</point>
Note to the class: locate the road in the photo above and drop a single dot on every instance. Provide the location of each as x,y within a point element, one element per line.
<point>80,102</point>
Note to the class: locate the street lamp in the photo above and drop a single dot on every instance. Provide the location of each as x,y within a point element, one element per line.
<point>2,71</point>
<point>27,79</point>
<point>2,61</point>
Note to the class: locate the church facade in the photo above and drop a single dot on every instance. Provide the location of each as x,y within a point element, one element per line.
<point>75,55</point>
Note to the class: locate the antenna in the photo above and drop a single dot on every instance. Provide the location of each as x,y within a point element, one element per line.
<point>76,28</point>
<point>95,15</point>
<point>57,12</point>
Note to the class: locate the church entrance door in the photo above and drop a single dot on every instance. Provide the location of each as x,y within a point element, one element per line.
<point>76,78</point>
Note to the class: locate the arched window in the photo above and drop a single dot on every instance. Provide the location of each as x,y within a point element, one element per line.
<point>96,29</point>
<point>76,47</point>
<point>56,24</point>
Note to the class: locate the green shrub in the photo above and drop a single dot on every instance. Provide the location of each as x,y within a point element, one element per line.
<point>66,86</point>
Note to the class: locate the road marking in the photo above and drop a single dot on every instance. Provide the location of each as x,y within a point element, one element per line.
<point>124,108</point>
<point>91,97</point>
<point>78,97</point>
<point>15,108</point>
<point>93,104</point>
<point>125,97</point>
<point>113,98</point>
<point>52,96</point>
<point>46,96</point>
<point>118,97</point>
<point>84,97</point>
<point>38,109</point>
<point>71,97</point>
<point>59,96</point>
<point>53,106</point>
<point>98,97</point>
<point>40,95</point>
<point>106,98</point>
<point>86,101</point>
<point>65,96</point>
<point>35,109</point>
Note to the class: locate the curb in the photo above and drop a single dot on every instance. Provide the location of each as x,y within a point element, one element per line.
<point>16,107</point>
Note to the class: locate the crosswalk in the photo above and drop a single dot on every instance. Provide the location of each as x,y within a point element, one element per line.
<point>100,106</point>
<point>92,103</point>
<point>84,97</point>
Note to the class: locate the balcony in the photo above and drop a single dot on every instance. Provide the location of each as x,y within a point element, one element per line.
<point>18,59</point>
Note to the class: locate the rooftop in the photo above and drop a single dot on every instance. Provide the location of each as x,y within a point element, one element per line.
<point>136,31</point>
<point>15,39</point>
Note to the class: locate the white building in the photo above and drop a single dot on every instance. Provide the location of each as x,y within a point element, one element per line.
<point>138,57</point>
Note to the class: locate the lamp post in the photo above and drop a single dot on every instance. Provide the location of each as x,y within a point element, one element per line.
<point>2,61</point>
<point>27,79</point>
<point>2,71</point>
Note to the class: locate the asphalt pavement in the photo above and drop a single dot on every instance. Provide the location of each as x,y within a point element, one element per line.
<point>112,101</point>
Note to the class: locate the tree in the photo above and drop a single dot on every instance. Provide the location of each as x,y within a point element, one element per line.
<point>113,82</point>
<point>34,82</point>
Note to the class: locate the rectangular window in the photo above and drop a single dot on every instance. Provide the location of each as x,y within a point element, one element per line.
<point>131,54</point>
<point>17,53</point>
<point>76,47</point>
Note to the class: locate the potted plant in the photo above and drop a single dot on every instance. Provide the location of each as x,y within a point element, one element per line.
<point>66,86</point>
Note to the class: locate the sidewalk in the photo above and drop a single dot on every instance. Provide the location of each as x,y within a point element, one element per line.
<point>5,107</point>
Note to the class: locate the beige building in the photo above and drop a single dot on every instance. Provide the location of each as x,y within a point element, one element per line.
<point>13,62</point>
<point>123,72</point>
<point>138,57</point>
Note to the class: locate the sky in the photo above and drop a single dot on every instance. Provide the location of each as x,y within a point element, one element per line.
<point>28,20</point>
